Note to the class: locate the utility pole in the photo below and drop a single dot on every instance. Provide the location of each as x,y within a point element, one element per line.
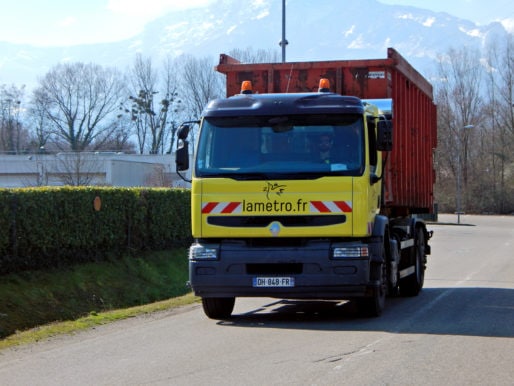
<point>283,43</point>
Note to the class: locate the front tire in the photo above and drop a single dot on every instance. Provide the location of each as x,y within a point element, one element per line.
<point>218,308</point>
<point>374,305</point>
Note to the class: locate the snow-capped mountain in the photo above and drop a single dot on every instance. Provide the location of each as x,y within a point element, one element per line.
<point>322,30</point>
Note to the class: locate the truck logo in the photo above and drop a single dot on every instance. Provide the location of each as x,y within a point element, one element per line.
<point>273,187</point>
<point>274,228</point>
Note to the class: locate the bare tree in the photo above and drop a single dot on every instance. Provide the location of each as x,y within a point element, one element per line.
<point>143,82</point>
<point>76,168</point>
<point>200,83</point>
<point>158,177</point>
<point>249,55</point>
<point>80,100</point>
<point>500,65</point>
<point>118,140</point>
<point>151,115</point>
<point>41,124</point>
<point>459,105</point>
<point>13,137</point>
<point>175,105</point>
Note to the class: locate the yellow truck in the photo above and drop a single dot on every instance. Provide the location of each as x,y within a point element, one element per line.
<point>300,192</point>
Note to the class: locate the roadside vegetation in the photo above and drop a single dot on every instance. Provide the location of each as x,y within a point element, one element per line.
<point>35,305</point>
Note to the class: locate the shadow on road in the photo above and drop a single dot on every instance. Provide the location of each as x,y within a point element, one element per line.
<point>487,312</point>
<point>429,223</point>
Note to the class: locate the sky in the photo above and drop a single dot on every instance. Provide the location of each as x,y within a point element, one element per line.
<point>72,22</point>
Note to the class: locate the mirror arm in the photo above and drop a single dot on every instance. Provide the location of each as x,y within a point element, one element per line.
<point>373,177</point>
<point>183,177</point>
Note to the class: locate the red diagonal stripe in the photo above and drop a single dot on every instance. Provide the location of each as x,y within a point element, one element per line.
<point>320,206</point>
<point>209,207</point>
<point>343,206</point>
<point>230,207</point>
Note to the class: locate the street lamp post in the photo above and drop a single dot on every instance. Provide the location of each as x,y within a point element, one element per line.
<point>459,173</point>
<point>283,43</point>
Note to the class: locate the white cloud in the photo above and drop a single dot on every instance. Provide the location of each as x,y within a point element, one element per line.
<point>508,24</point>
<point>475,32</point>
<point>350,31</point>
<point>406,16</point>
<point>263,14</point>
<point>358,43</point>
<point>429,22</point>
<point>426,22</point>
<point>68,21</point>
<point>258,3</point>
<point>152,8</point>
<point>231,29</point>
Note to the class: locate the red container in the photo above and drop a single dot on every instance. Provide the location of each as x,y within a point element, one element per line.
<point>410,175</point>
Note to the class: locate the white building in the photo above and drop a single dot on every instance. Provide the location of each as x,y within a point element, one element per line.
<point>89,168</point>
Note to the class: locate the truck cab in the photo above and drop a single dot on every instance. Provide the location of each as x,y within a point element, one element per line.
<point>298,192</point>
<point>286,194</point>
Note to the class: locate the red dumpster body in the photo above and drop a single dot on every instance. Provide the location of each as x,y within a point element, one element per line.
<point>410,175</point>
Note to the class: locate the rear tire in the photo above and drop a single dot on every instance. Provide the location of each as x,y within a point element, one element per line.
<point>412,284</point>
<point>218,308</point>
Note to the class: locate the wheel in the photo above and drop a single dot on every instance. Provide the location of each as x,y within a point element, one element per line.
<point>218,308</point>
<point>374,305</point>
<point>393,286</point>
<point>412,284</point>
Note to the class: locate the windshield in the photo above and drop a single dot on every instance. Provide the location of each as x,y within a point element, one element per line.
<point>281,147</point>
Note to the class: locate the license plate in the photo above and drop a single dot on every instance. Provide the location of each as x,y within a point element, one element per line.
<point>273,281</point>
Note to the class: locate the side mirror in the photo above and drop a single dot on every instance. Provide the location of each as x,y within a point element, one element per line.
<point>385,135</point>
<point>183,132</point>
<point>182,155</point>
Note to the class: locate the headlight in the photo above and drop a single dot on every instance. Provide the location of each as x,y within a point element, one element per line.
<point>350,252</point>
<point>201,252</point>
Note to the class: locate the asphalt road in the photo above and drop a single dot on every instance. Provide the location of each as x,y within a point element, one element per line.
<point>458,331</point>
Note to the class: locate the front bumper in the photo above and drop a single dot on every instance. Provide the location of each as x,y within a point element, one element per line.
<point>315,274</point>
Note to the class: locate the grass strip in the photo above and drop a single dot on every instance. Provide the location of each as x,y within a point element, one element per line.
<point>39,333</point>
<point>90,294</point>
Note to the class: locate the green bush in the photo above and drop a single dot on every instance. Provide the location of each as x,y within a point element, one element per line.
<point>54,227</point>
<point>4,222</point>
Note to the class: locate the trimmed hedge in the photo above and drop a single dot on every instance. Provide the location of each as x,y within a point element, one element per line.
<point>53,227</point>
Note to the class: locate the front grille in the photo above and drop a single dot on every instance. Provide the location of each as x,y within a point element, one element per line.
<point>263,221</point>
<point>274,269</point>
